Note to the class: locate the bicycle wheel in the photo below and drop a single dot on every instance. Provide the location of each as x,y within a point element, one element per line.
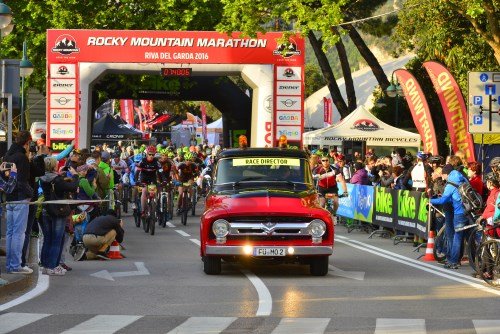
<point>488,262</point>
<point>152,217</point>
<point>440,246</point>
<point>474,241</point>
<point>194,200</point>
<point>170,205</point>
<point>162,211</point>
<point>137,213</point>
<point>184,207</point>
<point>145,219</point>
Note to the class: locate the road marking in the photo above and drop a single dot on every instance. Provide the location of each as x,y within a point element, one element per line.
<point>42,285</point>
<point>103,324</point>
<point>141,271</point>
<point>400,326</point>
<point>265,299</point>
<point>181,232</point>
<point>357,275</point>
<point>196,241</point>
<point>486,326</point>
<point>414,263</point>
<point>301,325</point>
<point>203,325</point>
<point>169,224</point>
<point>12,321</point>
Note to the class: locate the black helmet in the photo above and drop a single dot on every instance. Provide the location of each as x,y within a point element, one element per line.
<point>436,159</point>
<point>495,162</point>
<point>491,176</point>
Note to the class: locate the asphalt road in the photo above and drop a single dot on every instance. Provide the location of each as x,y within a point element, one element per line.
<point>373,286</point>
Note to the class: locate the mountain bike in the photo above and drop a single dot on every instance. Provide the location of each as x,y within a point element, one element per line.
<point>150,211</point>
<point>166,204</point>
<point>194,198</point>
<point>488,257</point>
<point>138,209</point>
<point>185,203</point>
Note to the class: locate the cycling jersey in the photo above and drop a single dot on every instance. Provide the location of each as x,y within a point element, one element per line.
<point>166,170</point>
<point>148,170</point>
<point>187,171</point>
<point>331,180</point>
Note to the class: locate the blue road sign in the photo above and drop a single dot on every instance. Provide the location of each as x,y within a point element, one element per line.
<point>490,89</point>
<point>483,77</point>
<point>478,100</point>
<point>477,119</point>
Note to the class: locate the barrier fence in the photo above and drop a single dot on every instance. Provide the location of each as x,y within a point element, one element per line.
<point>402,210</point>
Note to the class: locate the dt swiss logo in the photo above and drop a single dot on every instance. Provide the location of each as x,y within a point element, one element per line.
<point>65,45</point>
<point>365,125</point>
<point>287,49</point>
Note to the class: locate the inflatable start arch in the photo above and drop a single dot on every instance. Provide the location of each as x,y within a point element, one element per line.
<point>77,58</point>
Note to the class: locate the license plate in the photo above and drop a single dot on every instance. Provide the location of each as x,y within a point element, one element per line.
<point>269,252</point>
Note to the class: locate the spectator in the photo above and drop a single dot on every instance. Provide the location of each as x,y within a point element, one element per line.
<point>100,234</point>
<point>420,173</point>
<point>360,175</point>
<point>397,172</point>
<point>474,172</point>
<point>493,185</point>
<point>452,195</point>
<point>55,216</point>
<point>10,173</point>
<point>17,213</point>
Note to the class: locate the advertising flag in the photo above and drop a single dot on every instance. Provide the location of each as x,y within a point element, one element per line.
<point>454,108</point>
<point>127,111</point>
<point>327,109</point>
<point>419,109</point>
<point>203,121</point>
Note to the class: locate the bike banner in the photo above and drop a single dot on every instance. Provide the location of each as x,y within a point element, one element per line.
<point>385,207</point>
<point>346,204</point>
<point>419,109</point>
<point>362,198</point>
<point>409,213</point>
<point>454,108</point>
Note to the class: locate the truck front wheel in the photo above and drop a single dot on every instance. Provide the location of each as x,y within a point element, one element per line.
<point>212,265</point>
<point>319,266</point>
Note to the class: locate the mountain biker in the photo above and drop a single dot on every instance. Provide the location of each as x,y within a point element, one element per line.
<point>328,178</point>
<point>147,172</point>
<point>168,168</point>
<point>188,170</point>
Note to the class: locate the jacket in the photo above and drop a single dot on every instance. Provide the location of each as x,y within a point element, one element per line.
<point>23,190</point>
<point>451,193</point>
<point>360,177</point>
<point>61,185</point>
<point>489,210</point>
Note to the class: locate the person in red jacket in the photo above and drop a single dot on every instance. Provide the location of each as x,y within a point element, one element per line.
<point>493,185</point>
<point>328,178</point>
<point>474,173</point>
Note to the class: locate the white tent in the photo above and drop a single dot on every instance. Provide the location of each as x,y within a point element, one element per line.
<point>361,125</point>
<point>214,132</point>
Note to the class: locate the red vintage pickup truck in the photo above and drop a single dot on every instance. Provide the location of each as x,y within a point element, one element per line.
<point>263,205</point>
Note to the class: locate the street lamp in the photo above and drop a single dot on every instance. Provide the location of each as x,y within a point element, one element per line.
<point>25,70</point>
<point>395,90</point>
<point>5,15</point>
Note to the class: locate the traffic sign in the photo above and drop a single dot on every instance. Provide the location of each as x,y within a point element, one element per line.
<point>483,108</point>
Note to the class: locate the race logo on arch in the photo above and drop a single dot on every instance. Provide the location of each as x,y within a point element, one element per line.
<point>76,57</point>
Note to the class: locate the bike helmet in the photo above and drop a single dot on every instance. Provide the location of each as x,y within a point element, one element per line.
<point>137,158</point>
<point>185,149</point>
<point>142,148</point>
<point>495,162</point>
<point>491,177</point>
<point>188,156</point>
<point>171,155</point>
<point>151,150</point>
<point>422,155</point>
<point>436,159</point>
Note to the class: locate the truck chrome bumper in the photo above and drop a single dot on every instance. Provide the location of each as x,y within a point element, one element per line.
<point>239,250</point>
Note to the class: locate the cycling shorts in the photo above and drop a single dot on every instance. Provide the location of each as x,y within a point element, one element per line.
<point>332,190</point>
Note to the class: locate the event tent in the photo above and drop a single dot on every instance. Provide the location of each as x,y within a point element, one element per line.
<point>109,128</point>
<point>214,131</point>
<point>361,125</point>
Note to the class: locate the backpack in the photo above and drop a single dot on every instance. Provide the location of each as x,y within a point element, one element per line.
<point>57,210</point>
<point>471,199</point>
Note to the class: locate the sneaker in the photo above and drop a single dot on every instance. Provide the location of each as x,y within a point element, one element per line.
<point>451,266</point>
<point>59,268</point>
<point>64,266</point>
<point>55,272</point>
<point>102,256</point>
<point>23,270</point>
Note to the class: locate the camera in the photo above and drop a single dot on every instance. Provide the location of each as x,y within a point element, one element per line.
<point>33,147</point>
<point>8,165</point>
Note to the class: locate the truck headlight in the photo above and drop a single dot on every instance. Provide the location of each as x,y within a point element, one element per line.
<point>221,229</point>
<point>317,228</point>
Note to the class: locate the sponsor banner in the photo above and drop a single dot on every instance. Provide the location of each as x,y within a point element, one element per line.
<point>291,132</point>
<point>419,110</point>
<point>410,212</point>
<point>62,131</point>
<point>362,197</point>
<point>454,107</point>
<point>203,121</point>
<point>63,86</point>
<point>62,116</point>
<point>127,111</point>
<point>62,101</point>
<point>288,73</point>
<point>289,88</point>
<point>194,47</point>
<point>59,145</point>
<point>346,204</point>
<point>268,161</point>
<point>289,103</point>
<point>288,118</point>
<point>63,71</point>
<point>385,207</point>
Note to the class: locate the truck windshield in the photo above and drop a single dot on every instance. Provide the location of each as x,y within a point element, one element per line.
<point>262,169</point>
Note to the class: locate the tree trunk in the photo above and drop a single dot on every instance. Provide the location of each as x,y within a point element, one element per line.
<point>363,49</point>
<point>346,71</point>
<point>337,98</point>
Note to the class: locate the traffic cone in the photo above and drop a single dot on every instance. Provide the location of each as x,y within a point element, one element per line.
<point>114,251</point>
<point>429,253</point>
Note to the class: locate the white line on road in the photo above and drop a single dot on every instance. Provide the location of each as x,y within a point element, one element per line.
<point>486,326</point>
<point>412,263</point>
<point>169,224</point>
<point>265,299</point>
<point>181,232</point>
<point>12,321</point>
<point>400,326</point>
<point>203,325</point>
<point>103,324</point>
<point>301,325</point>
<point>196,241</point>
<point>42,285</point>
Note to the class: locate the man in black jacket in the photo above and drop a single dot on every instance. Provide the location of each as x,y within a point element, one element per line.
<point>100,234</point>
<point>17,213</point>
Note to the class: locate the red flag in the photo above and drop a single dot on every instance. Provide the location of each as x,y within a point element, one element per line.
<point>327,110</point>
<point>127,111</point>
<point>203,121</point>
<point>419,110</point>
<point>454,108</point>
